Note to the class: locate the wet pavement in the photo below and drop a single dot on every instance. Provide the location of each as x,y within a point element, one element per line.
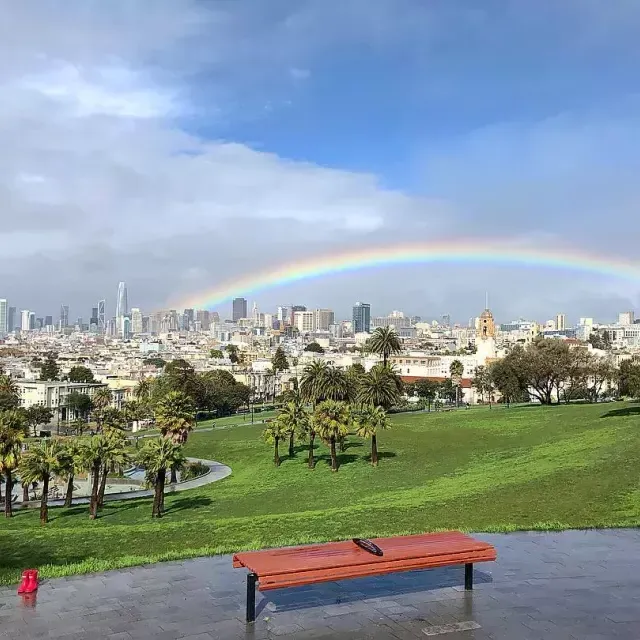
<point>579,585</point>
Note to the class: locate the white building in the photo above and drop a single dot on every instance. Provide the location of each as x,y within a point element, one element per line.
<point>3,317</point>
<point>323,319</point>
<point>304,321</point>
<point>626,318</point>
<point>561,322</point>
<point>136,321</point>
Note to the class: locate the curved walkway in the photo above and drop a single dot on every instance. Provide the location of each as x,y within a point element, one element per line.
<point>217,471</point>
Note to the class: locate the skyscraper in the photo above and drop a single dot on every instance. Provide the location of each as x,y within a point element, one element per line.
<point>48,321</point>
<point>3,317</point>
<point>122,304</point>
<point>24,324</point>
<point>94,316</point>
<point>361,317</point>
<point>102,325</point>
<point>11,319</point>
<point>239,308</point>
<point>561,322</point>
<point>64,316</point>
<point>136,321</point>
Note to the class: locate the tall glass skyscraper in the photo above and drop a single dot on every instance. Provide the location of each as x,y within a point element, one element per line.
<point>361,317</point>
<point>3,317</point>
<point>239,308</point>
<point>122,305</point>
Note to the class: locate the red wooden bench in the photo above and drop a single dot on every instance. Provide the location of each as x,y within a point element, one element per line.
<point>298,566</point>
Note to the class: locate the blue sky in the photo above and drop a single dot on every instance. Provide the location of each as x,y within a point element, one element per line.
<point>225,137</point>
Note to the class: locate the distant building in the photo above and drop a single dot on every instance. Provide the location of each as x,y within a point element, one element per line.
<point>362,317</point>
<point>324,318</point>
<point>12,313</point>
<point>626,318</point>
<point>239,308</point>
<point>304,321</point>
<point>561,322</point>
<point>122,303</point>
<point>64,316</point>
<point>24,320</point>
<point>136,321</point>
<point>3,317</point>
<point>48,321</point>
<point>102,321</point>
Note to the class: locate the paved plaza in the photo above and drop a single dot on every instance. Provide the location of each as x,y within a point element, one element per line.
<point>582,585</point>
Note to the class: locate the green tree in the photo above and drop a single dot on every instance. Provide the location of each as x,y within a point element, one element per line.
<point>80,374</point>
<point>78,405</point>
<point>49,369</point>
<point>175,416</point>
<point>480,381</point>
<point>369,422</point>
<point>12,432</point>
<point>336,385</point>
<point>91,455</point>
<point>427,390</point>
<point>233,353</point>
<point>37,415</point>
<point>181,376</point>
<point>9,398</point>
<point>314,347</point>
<point>114,454</point>
<point>456,371</point>
<point>68,465</point>
<point>38,464</point>
<point>156,362</point>
<point>279,361</point>
<point>629,378</point>
<point>313,383</point>
<point>142,391</point>
<point>156,456</point>
<point>274,434</point>
<point>380,387</point>
<point>294,420</point>
<point>331,420</point>
<point>385,342</point>
<point>216,354</point>
<point>506,378</point>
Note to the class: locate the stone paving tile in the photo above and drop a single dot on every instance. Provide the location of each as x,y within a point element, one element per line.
<point>552,586</point>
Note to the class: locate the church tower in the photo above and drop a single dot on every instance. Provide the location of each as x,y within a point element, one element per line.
<point>486,338</point>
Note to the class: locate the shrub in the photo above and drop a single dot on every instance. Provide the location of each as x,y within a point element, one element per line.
<point>193,470</point>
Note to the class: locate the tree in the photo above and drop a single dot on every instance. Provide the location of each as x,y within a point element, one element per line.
<point>142,391</point>
<point>80,374</point>
<point>219,391</point>
<point>49,369</point>
<point>156,362</point>
<point>384,341</point>
<point>38,464</point>
<point>12,432</point>
<point>427,390</point>
<point>114,454</point>
<point>232,352</point>
<point>175,416</point>
<point>380,387</point>
<point>629,378</point>
<point>336,385</point>
<point>369,421</point>
<point>294,420</point>
<point>601,372</point>
<point>91,454</point>
<point>78,404</point>
<point>37,415</point>
<point>447,390</point>
<point>216,354</point>
<point>9,398</point>
<point>314,347</point>
<point>181,376</point>
<point>456,371</point>
<point>331,420</point>
<point>506,378</point>
<point>313,383</point>
<point>279,361</point>
<point>273,434</point>
<point>156,456</point>
<point>480,381</point>
<point>68,465</point>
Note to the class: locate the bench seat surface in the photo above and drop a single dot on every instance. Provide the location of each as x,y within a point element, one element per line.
<point>294,566</point>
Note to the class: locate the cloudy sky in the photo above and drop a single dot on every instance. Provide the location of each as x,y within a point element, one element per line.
<point>179,144</point>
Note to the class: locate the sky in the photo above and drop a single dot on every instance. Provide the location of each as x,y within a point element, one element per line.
<point>180,144</point>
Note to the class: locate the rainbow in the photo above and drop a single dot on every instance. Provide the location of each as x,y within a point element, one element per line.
<point>504,252</point>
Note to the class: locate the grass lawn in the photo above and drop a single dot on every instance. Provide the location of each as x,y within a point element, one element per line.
<point>481,470</point>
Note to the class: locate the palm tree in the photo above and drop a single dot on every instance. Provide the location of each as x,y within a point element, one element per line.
<point>7,385</point>
<point>313,382</point>
<point>369,421</point>
<point>12,432</point>
<point>39,463</point>
<point>273,434</point>
<point>175,416</point>
<point>68,465</point>
<point>143,391</point>
<point>156,456</point>
<point>102,399</point>
<point>456,370</point>
<point>380,387</point>
<point>294,419</point>
<point>331,420</point>
<point>114,454</point>
<point>90,456</point>
<point>335,385</point>
<point>384,341</point>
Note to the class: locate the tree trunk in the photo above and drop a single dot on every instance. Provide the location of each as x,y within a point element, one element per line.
<point>374,450</point>
<point>8,506</point>
<point>68,499</point>
<point>291,444</point>
<point>25,493</point>
<point>1,488</point>
<point>276,453</point>
<point>95,482</point>
<point>44,502</point>
<point>158,498</point>
<point>342,440</point>
<point>174,476</point>
<point>334,458</point>
<point>312,462</point>
<point>103,485</point>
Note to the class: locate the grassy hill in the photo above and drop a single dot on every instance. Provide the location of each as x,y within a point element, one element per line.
<point>482,470</point>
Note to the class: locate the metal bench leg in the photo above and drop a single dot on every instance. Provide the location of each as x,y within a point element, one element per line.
<point>252,579</point>
<point>468,577</point>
